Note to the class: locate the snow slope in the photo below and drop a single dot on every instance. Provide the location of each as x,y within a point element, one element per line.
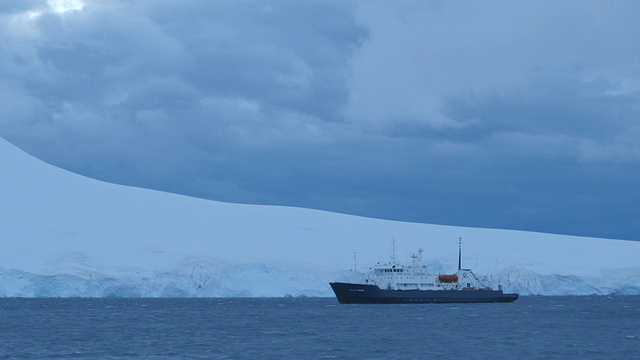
<point>66,235</point>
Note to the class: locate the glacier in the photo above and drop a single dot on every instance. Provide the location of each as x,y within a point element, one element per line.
<point>192,279</point>
<point>65,235</point>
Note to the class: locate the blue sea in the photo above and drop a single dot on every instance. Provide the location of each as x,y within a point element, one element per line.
<point>577,327</point>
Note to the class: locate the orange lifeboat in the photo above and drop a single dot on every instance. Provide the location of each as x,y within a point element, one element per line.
<point>448,278</point>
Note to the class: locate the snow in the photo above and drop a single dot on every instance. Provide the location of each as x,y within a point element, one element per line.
<point>67,235</point>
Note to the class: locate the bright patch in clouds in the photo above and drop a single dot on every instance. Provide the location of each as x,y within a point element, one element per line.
<point>63,6</point>
<point>33,15</point>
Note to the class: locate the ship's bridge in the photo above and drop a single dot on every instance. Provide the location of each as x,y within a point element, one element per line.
<point>388,268</point>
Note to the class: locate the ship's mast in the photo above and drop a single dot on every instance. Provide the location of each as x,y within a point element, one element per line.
<point>355,263</point>
<point>459,253</point>
<point>393,252</point>
<point>393,263</point>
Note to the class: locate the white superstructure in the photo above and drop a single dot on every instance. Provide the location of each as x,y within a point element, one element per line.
<point>393,276</point>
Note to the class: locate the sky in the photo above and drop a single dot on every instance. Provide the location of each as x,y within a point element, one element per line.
<point>497,114</point>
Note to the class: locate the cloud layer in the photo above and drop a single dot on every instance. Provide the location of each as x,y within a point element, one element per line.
<point>498,114</point>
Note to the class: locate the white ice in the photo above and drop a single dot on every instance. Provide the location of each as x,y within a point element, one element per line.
<point>63,234</point>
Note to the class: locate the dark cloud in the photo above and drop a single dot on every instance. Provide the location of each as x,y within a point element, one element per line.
<point>12,7</point>
<point>553,106</point>
<point>492,115</point>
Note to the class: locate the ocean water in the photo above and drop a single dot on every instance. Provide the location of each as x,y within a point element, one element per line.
<point>318,328</point>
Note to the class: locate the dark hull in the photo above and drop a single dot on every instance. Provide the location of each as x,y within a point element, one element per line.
<point>372,294</point>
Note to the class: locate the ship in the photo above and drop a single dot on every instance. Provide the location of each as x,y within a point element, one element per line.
<point>392,283</point>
